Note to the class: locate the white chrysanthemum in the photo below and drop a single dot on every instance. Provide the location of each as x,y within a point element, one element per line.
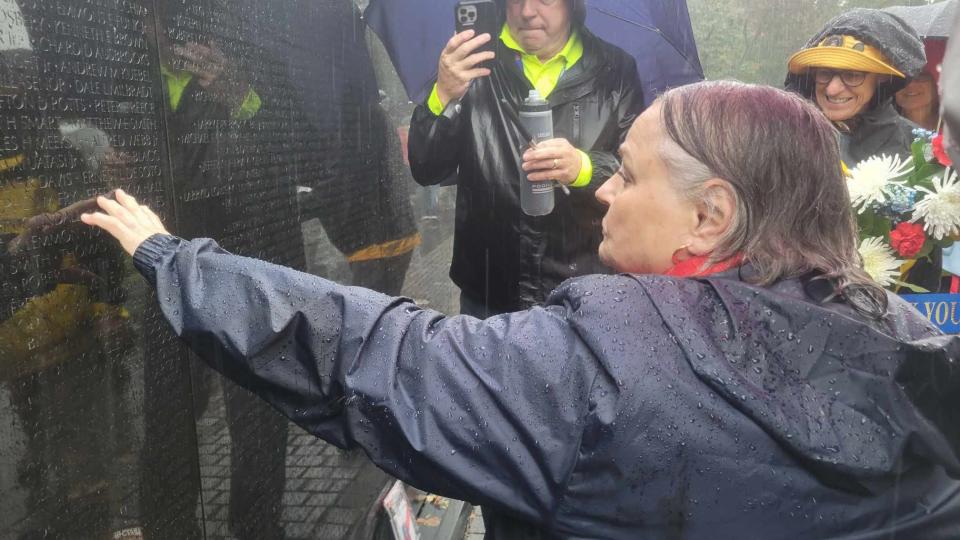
<point>873,178</point>
<point>879,261</point>
<point>940,208</point>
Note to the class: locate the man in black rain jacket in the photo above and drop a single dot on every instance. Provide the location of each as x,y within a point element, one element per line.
<point>504,260</point>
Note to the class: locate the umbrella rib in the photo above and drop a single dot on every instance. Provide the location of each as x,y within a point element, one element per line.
<point>647,27</point>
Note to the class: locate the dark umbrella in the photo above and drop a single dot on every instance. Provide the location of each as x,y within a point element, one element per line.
<point>932,21</point>
<point>657,34</point>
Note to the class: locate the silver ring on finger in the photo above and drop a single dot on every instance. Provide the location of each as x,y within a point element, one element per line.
<point>556,163</point>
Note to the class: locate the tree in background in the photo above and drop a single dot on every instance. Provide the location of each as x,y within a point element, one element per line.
<point>751,41</point>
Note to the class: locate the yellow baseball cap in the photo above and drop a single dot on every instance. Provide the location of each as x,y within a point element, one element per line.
<point>842,52</point>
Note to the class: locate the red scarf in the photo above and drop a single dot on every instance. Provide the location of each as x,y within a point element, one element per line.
<point>693,267</point>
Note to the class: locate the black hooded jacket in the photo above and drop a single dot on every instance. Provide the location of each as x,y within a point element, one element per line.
<point>628,406</point>
<point>503,257</point>
<point>879,129</point>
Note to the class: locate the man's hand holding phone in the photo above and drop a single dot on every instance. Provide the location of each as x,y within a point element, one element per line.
<point>459,64</point>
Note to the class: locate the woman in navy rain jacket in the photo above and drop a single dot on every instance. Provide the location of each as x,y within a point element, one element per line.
<point>743,378</point>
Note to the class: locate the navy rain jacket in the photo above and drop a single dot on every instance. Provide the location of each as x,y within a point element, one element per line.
<point>628,407</point>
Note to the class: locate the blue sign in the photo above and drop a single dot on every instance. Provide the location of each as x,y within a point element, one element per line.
<point>941,309</point>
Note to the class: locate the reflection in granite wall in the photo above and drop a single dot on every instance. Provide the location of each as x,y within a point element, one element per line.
<point>80,115</point>
<point>257,123</point>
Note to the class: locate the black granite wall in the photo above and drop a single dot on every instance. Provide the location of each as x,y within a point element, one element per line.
<point>257,123</point>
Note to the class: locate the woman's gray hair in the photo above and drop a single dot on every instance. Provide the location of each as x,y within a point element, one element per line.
<point>780,155</point>
<point>689,176</point>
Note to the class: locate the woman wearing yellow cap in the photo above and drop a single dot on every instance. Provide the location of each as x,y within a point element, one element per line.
<point>852,69</point>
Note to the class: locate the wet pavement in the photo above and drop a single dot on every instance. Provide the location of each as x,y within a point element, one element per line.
<point>317,476</point>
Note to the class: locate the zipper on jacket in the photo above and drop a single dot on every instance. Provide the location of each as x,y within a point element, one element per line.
<point>576,123</point>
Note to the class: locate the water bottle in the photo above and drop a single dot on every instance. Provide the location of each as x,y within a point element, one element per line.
<point>536,198</point>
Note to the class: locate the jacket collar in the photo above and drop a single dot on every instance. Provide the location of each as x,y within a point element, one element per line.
<point>571,53</point>
<point>581,79</point>
<point>699,267</point>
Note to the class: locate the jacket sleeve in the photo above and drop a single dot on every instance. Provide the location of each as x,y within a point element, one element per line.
<point>630,105</point>
<point>434,143</point>
<point>487,411</point>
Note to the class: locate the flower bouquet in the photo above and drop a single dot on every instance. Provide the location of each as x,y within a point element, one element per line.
<point>905,209</point>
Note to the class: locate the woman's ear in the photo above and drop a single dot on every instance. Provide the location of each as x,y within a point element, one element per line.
<point>716,210</point>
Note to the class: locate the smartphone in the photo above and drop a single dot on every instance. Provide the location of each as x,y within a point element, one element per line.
<point>481,16</point>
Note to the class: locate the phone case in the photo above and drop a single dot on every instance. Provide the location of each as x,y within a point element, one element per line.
<point>482,17</point>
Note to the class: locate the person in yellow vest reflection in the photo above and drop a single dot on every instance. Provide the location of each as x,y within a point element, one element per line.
<point>216,152</point>
<point>378,235</point>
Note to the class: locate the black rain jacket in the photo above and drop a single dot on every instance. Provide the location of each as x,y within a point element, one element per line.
<point>501,256</point>
<point>629,406</point>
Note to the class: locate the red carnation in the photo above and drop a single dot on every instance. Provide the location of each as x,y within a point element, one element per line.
<point>940,152</point>
<point>907,238</point>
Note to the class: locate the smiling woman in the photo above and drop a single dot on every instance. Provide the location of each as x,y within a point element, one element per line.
<point>852,68</point>
<point>919,103</point>
<point>842,95</point>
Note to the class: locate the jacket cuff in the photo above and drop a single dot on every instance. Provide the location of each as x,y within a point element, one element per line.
<point>150,253</point>
<point>433,102</point>
<point>249,107</point>
<point>586,171</point>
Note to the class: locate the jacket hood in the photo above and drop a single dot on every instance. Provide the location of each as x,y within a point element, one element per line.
<point>858,403</point>
<point>898,41</point>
